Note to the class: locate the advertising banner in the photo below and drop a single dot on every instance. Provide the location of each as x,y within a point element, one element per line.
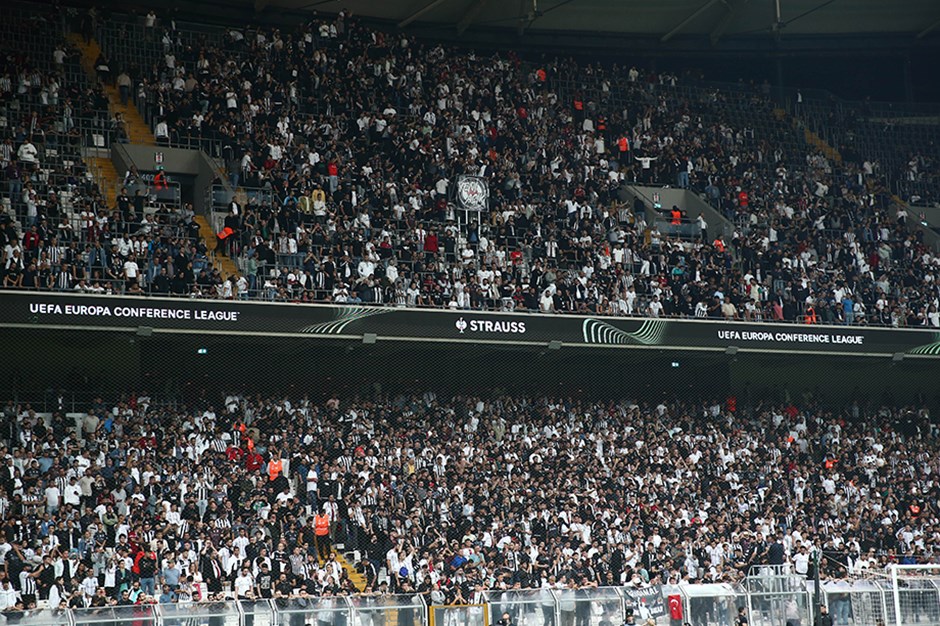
<point>77,311</point>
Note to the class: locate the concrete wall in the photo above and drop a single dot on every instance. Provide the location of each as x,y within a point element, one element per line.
<point>931,230</point>
<point>719,225</point>
<point>175,161</point>
<point>686,200</point>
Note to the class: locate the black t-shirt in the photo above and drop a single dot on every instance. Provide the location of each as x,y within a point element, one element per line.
<point>192,230</point>
<point>161,284</point>
<point>117,267</point>
<point>31,476</point>
<point>284,587</point>
<point>29,278</point>
<point>266,585</point>
<point>46,578</point>
<point>147,567</point>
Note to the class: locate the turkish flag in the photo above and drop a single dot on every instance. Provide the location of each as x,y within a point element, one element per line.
<point>675,607</point>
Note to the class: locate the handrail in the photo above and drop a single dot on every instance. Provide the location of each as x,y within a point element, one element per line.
<point>763,596</point>
<point>685,229</point>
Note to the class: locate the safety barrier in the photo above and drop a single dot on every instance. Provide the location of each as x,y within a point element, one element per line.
<point>770,596</point>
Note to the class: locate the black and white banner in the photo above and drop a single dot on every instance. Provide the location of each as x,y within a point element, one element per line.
<point>646,602</point>
<point>473,193</point>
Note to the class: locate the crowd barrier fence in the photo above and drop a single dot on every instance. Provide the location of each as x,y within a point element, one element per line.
<point>772,596</point>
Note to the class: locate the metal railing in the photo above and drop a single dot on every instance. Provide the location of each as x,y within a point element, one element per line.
<point>683,229</point>
<point>362,610</point>
<point>218,197</point>
<point>770,600</point>
<point>88,131</point>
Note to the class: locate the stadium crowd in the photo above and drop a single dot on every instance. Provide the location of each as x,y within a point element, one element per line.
<point>47,113</point>
<point>248,497</point>
<point>363,174</point>
<point>59,231</point>
<point>360,136</point>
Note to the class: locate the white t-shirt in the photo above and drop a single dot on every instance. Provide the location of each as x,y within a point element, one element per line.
<point>27,153</point>
<point>243,585</point>
<point>52,495</point>
<point>73,494</point>
<point>90,585</point>
<point>801,562</point>
<point>7,597</point>
<point>240,543</point>
<point>546,302</point>
<point>933,317</point>
<point>131,269</point>
<point>391,557</point>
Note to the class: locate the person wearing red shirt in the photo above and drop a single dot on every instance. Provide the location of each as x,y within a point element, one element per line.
<point>133,540</point>
<point>159,180</point>
<point>332,171</point>
<point>431,246</point>
<point>145,566</point>
<point>31,242</point>
<point>253,461</point>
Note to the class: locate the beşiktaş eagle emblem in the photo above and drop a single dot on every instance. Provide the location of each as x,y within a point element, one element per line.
<point>472,193</point>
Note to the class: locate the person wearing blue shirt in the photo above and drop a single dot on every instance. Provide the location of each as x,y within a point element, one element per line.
<point>848,309</point>
<point>171,575</point>
<point>168,596</point>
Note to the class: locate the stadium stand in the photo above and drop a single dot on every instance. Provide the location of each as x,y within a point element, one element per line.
<point>897,139</point>
<point>813,238</point>
<point>49,114</point>
<point>457,495</point>
<point>60,230</point>
<point>340,145</point>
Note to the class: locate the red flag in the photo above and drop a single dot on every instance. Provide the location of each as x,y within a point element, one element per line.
<point>675,607</point>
